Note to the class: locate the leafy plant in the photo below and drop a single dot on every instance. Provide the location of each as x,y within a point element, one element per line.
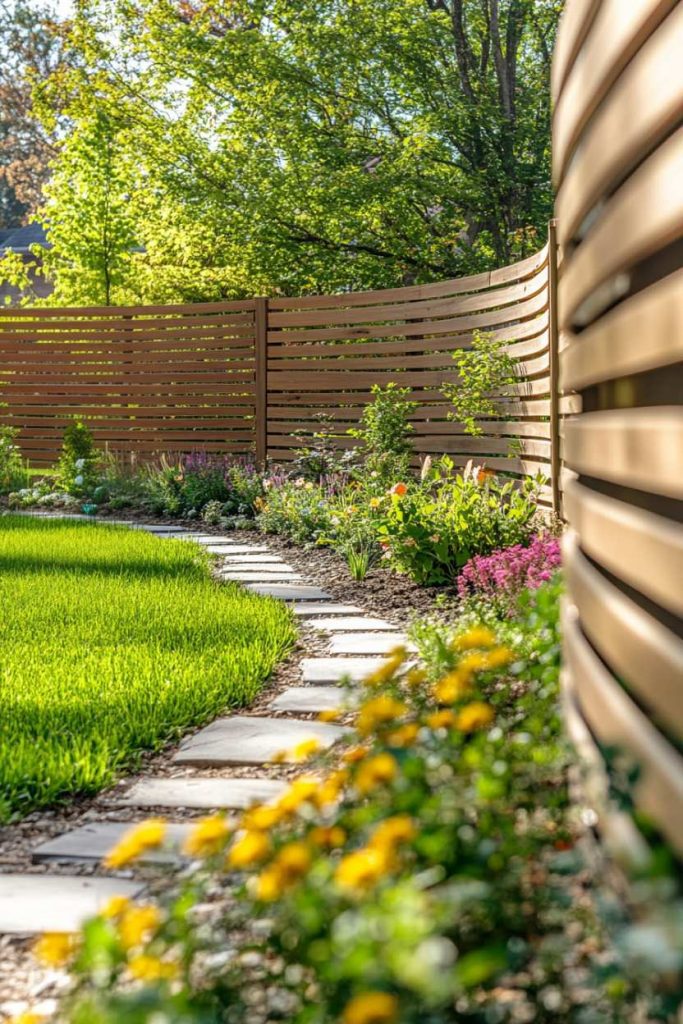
<point>324,457</point>
<point>12,472</point>
<point>78,469</point>
<point>431,529</point>
<point>483,369</point>
<point>384,432</point>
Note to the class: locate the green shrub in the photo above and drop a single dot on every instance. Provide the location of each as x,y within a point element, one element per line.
<point>431,529</point>
<point>483,369</point>
<point>299,509</point>
<point>384,433</point>
<point>12,472</point>
<point>78,470</point>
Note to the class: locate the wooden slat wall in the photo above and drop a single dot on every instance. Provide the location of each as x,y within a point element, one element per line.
<point>326,352</point>
<point>146,379</point>
<point>618,162</point>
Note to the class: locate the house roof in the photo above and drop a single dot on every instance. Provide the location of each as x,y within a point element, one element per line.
<point>20,239</point>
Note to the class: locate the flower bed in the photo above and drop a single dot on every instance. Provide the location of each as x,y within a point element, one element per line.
<point>427,870</point>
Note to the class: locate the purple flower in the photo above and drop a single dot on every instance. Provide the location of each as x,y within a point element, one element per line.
<point>508,571</point>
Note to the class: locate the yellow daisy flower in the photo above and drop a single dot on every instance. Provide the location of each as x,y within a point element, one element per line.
<point>371,1008</point>
<point>56,949</point>
<point>375,771</point>
<point>249,849</point>
<point>151,968</point>
<point>208,837</point>
<point>476,715</point>
<point>134,842</point>
<point>138,924</point>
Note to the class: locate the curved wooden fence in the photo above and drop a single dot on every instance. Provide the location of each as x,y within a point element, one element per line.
<point>618,165</point>
<point>257,375</point>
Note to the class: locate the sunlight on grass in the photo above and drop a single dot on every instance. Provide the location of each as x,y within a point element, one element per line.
<point>113,642</point>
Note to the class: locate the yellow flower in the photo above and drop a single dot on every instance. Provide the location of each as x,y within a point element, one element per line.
<point>399,829</point>
<point>441,719</point>
<point>377,770</point>
<point>330,788</point>
<point>388,669</point>
<point>55,949</point>
<point>330,716</point>
<point>328,836</point>
<point>28,1018</point>
<point>138,924</point>
<point>151,968</point>
<point>404,735</point>
<point>377,711</point>
<point>208,837</point>
<point>478,661</point>
<point>302,751</point>
<point>249,849</point>
<point>145,836</point>
<point>354,754</point>
<point>375,502</point>
<point>361,869</point>
<point>480,636</point>
<point>115,906</point>
<point>476,715</point>
<point>290,864</point>
<point>452,687</point>
<point>371,1008</point>
<point>416,677</point>
<point>261,818</point>
<point>301,790</point>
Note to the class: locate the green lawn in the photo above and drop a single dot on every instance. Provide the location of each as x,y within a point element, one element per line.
<point>113,642</point>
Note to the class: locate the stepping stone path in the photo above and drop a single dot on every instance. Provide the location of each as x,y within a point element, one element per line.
<point>35,903</point>
<point>208,792</point>
<point>246,740</point>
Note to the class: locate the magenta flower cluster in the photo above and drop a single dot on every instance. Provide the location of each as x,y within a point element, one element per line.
<point>505,573</point>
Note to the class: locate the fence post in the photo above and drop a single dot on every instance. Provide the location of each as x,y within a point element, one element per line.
<point>554,351</point>
<point>261,379</point>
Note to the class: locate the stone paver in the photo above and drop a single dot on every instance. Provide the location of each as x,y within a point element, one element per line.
<point>234,549</point>
<point>310,608</point>
<point>205,792</point>
<point>254,559</point>
<point>261,577</point>
<point>250,740</point>
<point>353,624</point>
<point>309,699</point>
<point>162,529</point>
<point>94,841</point>
<point>289,592</point>
<point>368,643</point>
<point>44,903</point>
<point>332,670</point>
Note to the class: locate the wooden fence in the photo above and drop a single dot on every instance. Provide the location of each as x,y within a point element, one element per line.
<point>618,165</point>
<point>146,379</point>
<point>257,375</point>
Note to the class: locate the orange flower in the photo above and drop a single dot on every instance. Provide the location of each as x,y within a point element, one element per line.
<point>399,490</point>
<point>371,1008</point>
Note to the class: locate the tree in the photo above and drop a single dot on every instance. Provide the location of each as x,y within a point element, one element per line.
<point>323,144</point>
<point>30,51</point>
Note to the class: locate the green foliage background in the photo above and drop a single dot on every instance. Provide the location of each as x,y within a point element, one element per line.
<point>265,146</point>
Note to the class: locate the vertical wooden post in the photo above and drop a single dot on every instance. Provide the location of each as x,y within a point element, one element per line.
<point>554,349</point>
<point>261,379</point>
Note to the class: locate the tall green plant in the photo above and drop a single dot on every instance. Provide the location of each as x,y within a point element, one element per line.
<point>484,369</point>
<point>384,432</point>
<point>78,467</point>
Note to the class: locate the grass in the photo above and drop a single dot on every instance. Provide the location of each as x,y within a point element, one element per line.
<point>113,642</point>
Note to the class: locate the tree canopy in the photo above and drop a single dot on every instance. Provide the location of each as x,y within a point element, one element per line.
<point>241,146</point>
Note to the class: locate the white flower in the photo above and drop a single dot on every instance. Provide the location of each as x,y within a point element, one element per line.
<point>79,463</point>
<point>78,480</point>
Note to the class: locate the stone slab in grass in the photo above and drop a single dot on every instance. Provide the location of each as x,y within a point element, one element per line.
<point>94,841</point>
<point>235,549</point>
<point>311,608</point>
<point>304,699</point>
<point>55,903</point>
<point>368,643</point>
<point>353,624</point>
<point>261,576</point>
<point>206,792</point>
<point>289,591</point>
<point>254,558</point>
<point>332,670</point>
<point>243,739</point>
<point>161,528</point>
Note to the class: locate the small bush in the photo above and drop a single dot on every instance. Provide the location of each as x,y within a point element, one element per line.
<point>12,473</point>
<point>78,470</point>
<point>500,577</point>
<point>484,369</point>
<point>385,431</point>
